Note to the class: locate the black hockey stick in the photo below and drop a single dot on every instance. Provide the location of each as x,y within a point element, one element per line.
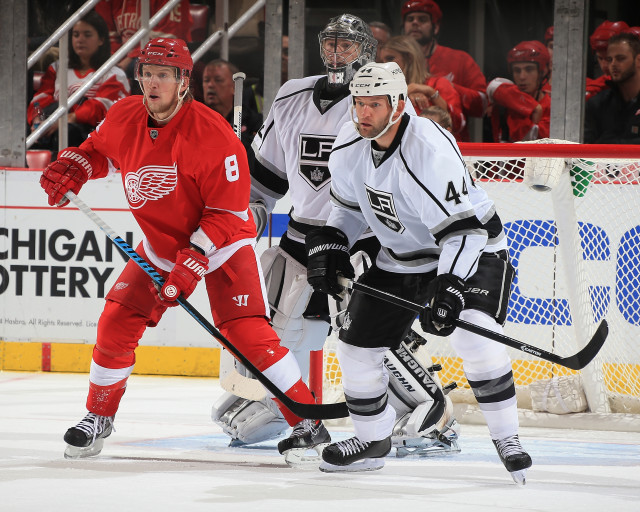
<point>312,411</point>
<point>575,362</point>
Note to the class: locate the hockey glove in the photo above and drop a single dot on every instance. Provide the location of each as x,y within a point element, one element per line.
<point>327,258</point>
<point>189,268</point>
<point>446,301</point>
<point>70,171</point>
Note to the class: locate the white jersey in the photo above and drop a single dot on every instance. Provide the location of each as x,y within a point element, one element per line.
<point>418,199</point>
<point>292,151</point>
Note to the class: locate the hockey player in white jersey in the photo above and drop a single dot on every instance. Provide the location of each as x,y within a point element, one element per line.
<point>292,150</point>
<point>442,245</point>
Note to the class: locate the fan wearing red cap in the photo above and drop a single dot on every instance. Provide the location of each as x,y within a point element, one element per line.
<point>187,182</point>
<point>421,20</point>
<point>526,100</point>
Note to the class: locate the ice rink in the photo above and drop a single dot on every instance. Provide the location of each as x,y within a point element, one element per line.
<point>167,455</point>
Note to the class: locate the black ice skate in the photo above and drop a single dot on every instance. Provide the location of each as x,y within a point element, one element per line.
<point>86,439</point>
<point>514,458</point>
<point>355,455</point>
<point>307,435</point>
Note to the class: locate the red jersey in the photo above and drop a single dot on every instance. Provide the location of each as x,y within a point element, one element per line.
<point>466,76</point>
<point>123,20</point>
<point>191,172</point>
<point>595,85</point>
<point>113,86</point>
<point>520,106</point>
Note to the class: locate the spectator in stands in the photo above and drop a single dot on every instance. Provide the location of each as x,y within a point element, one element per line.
<point>613,115</point>
<point>421,20</point>
<point>526,103</point>
<point>424,90</point>
<point>218,87</point>
<point>123,20</point>
<point>88,50</point>
<point>438,115</point>
<point>599,41</point>
<point>382,33</point>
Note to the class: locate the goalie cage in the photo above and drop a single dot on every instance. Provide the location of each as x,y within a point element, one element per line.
<point>571,213</point>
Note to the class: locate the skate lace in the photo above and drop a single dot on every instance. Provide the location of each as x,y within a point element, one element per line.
<point>352,446</point>
<point>93,424</point>
<point>304,427</point>
<point>509,446</point>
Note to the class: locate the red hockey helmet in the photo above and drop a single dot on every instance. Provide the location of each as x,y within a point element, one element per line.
<point>548,35</point>
<point>599,40</point>
<point>634,30</point>
<point>167,52</point>
<point>428,6</point>
<point>530,51</point>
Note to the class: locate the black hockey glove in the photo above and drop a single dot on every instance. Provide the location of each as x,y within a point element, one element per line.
<point>446,301</point>
<point>327,258</point>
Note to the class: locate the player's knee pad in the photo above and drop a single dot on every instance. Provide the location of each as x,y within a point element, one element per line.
<point>119,330</point>
<point>478,353</point>
<point>362,369</point>
<point>288,292</point>
<point>248,421</point>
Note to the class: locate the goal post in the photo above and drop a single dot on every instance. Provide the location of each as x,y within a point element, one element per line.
<point>571,213</point>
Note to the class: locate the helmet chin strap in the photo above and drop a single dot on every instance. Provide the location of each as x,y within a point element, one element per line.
<point>175,110</point>
<point>390,123</point>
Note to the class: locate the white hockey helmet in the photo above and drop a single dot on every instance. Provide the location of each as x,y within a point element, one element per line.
<point>380,79</point>
<point>343,62</point>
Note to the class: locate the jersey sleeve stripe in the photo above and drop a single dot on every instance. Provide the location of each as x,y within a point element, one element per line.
<point>293,94</point>
<point>349,205</point>
<point>268,181</point>
<point>346,144</point>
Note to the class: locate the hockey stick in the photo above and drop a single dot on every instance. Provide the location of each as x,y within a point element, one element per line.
<point>574,362</point>
<point>313,411</point>
<point>238,79</point>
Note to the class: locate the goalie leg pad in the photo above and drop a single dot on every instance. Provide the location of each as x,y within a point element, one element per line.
<point>288,292</point>
<point>248,421</point>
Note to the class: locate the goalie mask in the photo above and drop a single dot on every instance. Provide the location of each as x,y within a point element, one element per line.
<point>379,79</point>
<point>346,44</point>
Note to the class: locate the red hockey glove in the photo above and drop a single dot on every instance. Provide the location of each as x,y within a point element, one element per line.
<point>189,268</point>
<point>70,171</point>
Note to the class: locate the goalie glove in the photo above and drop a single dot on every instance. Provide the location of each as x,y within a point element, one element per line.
<point>446,301</point>
<point>327,258</point>
<point>189,268</point>
<point>70,171</point>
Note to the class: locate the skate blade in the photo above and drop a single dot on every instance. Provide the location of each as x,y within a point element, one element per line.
<point>431,450</point>
<point>75,452</point>
<point>361,465</point>
<point>304,457</point>
<point>519,476</point>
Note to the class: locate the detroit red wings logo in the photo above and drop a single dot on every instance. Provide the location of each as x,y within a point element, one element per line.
<point>150,183</point>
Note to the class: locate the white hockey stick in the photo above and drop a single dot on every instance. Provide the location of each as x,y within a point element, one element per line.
<point>238,79</point>
<point>312,411</point>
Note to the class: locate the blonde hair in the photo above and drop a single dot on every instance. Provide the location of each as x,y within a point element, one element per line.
<point>415,68</point>
<point>439,115</point>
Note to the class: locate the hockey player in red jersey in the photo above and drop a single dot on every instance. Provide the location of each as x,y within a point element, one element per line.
<point>527,102</point>
<point>187,182</point>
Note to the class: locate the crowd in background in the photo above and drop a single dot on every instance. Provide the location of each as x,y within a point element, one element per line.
<point>445,84</point>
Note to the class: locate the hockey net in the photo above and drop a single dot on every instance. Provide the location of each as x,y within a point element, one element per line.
<point>572,217</point>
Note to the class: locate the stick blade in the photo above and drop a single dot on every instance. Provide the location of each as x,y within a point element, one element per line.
<point>591,349</point>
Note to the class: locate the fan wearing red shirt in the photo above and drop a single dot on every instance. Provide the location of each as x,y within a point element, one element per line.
<point>421,20</point>
<point>187,182</point>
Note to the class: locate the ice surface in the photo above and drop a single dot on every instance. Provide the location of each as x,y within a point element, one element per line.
<point>167,455</point>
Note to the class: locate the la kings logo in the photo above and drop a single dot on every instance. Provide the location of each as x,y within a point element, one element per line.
<point>382,205</point>
<point>313,155</point>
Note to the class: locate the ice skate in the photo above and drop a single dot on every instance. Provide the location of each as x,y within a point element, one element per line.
<point>442,441</point>
<point>86,439</point>
<point>514,458</point>
<point>355,455</point>
<point>307,435</point>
